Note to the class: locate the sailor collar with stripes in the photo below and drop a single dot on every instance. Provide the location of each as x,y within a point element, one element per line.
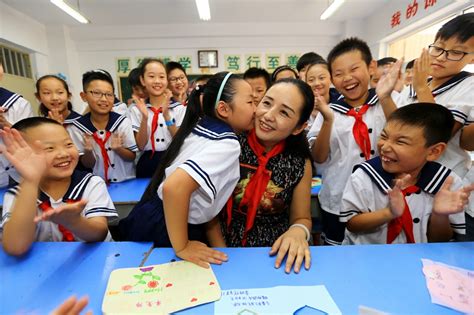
<point>84,123</point>
<point>8,98</point>
<point>458,78</point>
<point>79,181</point>
<point>214,129</point>
<point>172,104</point>
<point>72,116</point>
<point>431,178</point>
<point>340,105</point>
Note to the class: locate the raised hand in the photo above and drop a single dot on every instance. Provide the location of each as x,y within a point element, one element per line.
<point>294,246</point>
<point>396,198</point>
<point>116,141</point>
<point>165,106</point>
<point>56,115</point>
<point>201,255</point>
<point>448,202</point>
<point>322,106</point>
<point>389,80</point>
<point>64,214</point>
<point>88,142</point>
<point>29,161</point>
<point>421,68</point>
<point>3,121</point>
<point>140,103</point>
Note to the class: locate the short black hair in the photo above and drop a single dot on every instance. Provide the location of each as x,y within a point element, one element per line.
<point>461,28</point>
<point>282,68</point>
<point>347,45</point>
<point>97,74</point>
<point>31,122</point>
<point>254,73</point>
<point>134,78</point>
<point>436,120</point>
<point>410,64</point>
<point>172,65</point>
<point>386,61</point>
<point>307,59</point>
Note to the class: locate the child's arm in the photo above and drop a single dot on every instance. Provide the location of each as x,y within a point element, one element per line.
<point>141,137</point>
<point>19,231</point>
<point>321,146</point>
<point>368,221</point>
<point>467,138</point>
<point>446,202</point>
<point>386,85</point>
<point>421,68</point>
<point>214,233</point>
<point>166,113</point>
<point>88,158</point>
<point>177,190</point>
<point>293,243</point>
<point>117,145</point>
<point>3,120</point>
<point>70,216</point>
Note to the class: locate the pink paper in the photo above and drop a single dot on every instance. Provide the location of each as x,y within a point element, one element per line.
<point>450,286</point>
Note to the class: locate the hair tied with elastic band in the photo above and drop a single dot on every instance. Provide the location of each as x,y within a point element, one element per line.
<point>221,88</point>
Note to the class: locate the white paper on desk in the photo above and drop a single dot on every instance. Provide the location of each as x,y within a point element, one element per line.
<point>275,300</point>
<point>450,286</point>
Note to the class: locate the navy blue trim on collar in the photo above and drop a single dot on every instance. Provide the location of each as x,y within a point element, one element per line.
<point>214,129</point>
<point>8,98</point>
<point>340,105</point>
<point>431,178</point>
<point>72,116</point>
<point>458,78</point>
<point>172,103</point>
<point>84,123</point>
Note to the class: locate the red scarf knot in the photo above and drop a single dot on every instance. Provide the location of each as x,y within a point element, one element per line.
<point>154,126</point>
<point>360,130</point>
<point>45,206</point>
<point>404,222</point>
<point>103,150</point>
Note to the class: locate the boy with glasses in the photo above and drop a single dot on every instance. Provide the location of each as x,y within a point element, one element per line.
<point>177,82</point>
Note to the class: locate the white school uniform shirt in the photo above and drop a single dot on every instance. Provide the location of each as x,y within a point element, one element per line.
<point>366,191</point>
<point>16,108</point>
<point>210,155</point>
<point>83,186</point>
<point>456,95</point>
<point>119,169</point>
<point>162,136</point>
<point>344,153</point>
<point>120,107</point>
<point>468,180</point>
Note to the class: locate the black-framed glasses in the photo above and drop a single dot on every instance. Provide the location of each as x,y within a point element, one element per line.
<point>181,78</point>
<point>98,95</point>
<point>452,54</point>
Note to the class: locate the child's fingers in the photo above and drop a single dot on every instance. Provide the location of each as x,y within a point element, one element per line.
<point>447,183</point>
<point>66,307</point>
<point>466,189</point>
<point>19,139</point>
<point>307,258</point>
<point>284,248</point>
<point>275,246</point>
<point>79,305</point>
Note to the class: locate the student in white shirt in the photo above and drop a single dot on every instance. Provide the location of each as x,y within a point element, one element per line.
<point>53,202</point>
<point>198,173</point>
<point>427,200</point>
<point>103,137</point>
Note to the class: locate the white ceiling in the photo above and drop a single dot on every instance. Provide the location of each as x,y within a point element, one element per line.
<point>146,12</point>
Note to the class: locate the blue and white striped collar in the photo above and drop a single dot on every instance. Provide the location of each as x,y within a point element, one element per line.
<point>172,104</point>
<point>8,98</point>
<point>431,178</point>
<point>214,129</point>
<point>458,78</point>
<point>72,116</point>
<point>84,123</point>
<point>342,107</point>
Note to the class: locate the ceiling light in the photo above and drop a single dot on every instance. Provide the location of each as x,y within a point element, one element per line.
<point>331,9</point>
<point>69,10</point>
<point>203,9</point>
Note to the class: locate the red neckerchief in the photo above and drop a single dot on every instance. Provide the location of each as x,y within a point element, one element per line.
<point>103,151</point>
<point>154,126</point>
<point>404,222</point>
<point>45,206</point>
<point>258,182</point>
<point>360,131</point>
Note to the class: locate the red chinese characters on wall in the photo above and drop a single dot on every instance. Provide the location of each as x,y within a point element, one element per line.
<point>410,11</point>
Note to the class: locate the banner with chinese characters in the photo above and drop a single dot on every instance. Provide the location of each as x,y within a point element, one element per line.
<point>292,59</point>
<point>233,63</point>
<point>253,61</point>
<point>414,9</point>
<point>273,61</point>
<point>123,65</point>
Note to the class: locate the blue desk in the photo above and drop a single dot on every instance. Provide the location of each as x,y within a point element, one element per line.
<point>2,193</point>
<point>128,192</point>
<point>51,272</point>
<point>385,277</point>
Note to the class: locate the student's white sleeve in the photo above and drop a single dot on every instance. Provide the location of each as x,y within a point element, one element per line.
<point>215,167</point>
<point>135,117</point>
<point>461,102</point>
<point>458,220</point>
<point>8,200</point>
<point>20,110</point>
<point>403,98</point>
<point>315,128</point>
<point>99,203</point>
<point>77,136</point>
<point>357,197</point>
<point>179,112</point>
<point>128,137</point>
